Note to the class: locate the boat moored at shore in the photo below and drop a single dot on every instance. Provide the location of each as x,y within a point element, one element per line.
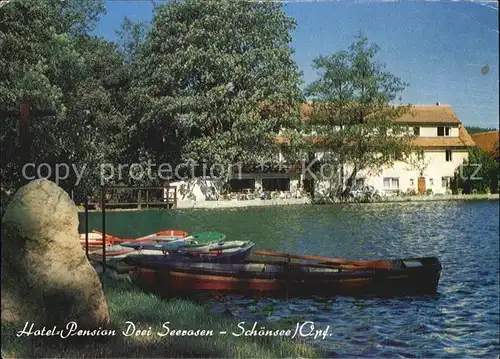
<point>280,278</point>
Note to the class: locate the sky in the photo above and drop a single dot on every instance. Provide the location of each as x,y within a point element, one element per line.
<point>438,47</point>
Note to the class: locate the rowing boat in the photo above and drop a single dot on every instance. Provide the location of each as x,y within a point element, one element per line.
<point>220,252</point>
<point>95,238</point>
<point>285,278</point>
<point>208,237</point>
<point>114,250</point>
<point>167,236</point>
<point>118,251</point>
<point>162,246</point>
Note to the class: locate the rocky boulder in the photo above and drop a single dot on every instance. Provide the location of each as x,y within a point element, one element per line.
<point>46,277</point>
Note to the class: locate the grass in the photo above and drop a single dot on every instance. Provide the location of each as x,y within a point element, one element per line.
<point>127,303</point>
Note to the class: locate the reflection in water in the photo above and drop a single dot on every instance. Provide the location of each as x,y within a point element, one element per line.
<point>462,320</point>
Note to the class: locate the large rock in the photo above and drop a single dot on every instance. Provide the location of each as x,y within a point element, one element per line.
<point>46,277</point>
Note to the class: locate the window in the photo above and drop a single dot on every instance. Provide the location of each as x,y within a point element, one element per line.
<point>416,131</point>
<point>431,182</point>
<point>391,183</point>
<point>240,184</point>
<point>276,184</point>
<point>412,182</point>
<point>443,131</point>
<point>445,181</point>
<point>448,156</point>
<point>360,182</point>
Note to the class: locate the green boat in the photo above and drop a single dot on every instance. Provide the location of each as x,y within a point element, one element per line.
<point>209,237</point>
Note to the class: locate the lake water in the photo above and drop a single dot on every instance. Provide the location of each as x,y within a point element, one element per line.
<point>462,320</point>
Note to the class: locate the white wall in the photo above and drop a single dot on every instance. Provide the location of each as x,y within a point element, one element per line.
<point>197,189</point>
<point>437,167</point>
<point>206,189</point>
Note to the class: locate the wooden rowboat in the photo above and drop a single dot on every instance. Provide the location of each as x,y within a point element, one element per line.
<point>222,252</point>
<point>285,278</point>
<point>115,251</point>
<point>167,236</point>
<point>95,237</point>
<point>208,237</point>
<point>162,246</point>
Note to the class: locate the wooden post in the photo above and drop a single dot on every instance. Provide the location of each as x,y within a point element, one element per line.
<point>167,191</point>
<point>24,125</point>
<point>86,204</point>
<point>288,274</point>
<point>103,200</point>
<point>24,135</point>
<point>174,205</point>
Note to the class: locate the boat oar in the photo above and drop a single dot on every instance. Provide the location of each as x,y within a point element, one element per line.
<point>357,263</point>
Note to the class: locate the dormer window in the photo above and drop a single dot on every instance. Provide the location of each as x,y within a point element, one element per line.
<point>443,131</point>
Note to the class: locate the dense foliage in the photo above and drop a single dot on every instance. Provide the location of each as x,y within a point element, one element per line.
<point>48,60</point>
<point>206,83</point>
<point>478,174</point>
<point>198,85</point>
<point>206,77</point>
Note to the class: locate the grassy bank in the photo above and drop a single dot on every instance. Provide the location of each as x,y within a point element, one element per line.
<point>129,304</point>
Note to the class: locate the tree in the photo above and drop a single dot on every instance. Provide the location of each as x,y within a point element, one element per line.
<point>131,37</point>
<point>352,116</point>
<point>418,162</point>
<point>215,82</point>
<point>479,173</point>
<point>31,52</point>
<point>96,116</point>
<point>48,60</point>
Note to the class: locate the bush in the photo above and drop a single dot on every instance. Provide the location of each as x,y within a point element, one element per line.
<point>411,192</point>
<point>478,174</point>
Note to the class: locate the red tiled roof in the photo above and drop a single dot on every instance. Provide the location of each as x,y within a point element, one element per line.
<point>488,142</point>
<point>428,114</point>
<point>419,114</point>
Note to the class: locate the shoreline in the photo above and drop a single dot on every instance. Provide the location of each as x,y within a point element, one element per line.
<point>190,204</point>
